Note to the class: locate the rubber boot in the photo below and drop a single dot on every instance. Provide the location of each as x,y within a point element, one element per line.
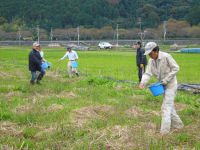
<point>38,79</point>
<point>77,74</point>
<point>32,82</point>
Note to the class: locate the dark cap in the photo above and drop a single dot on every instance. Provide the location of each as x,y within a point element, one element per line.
<point>138,43</point>
<point>69,47</point>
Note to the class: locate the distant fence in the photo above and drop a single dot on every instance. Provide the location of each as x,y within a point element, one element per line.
<point>95,43</point>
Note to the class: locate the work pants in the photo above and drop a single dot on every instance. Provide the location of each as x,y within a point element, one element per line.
<point>169,115</point>
<point>70,69</point>
<point>141,71</point>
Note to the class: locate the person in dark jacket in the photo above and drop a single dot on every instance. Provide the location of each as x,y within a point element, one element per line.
<point>35,62</point>
<point>141,59</point>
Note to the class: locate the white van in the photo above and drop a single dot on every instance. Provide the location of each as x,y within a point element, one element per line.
<point>105,45</point>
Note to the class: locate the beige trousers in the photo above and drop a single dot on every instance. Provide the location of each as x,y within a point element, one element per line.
<point>169,115</point>
<point>70,69</point>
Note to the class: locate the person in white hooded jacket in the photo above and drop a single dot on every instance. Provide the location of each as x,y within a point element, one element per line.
<point>164,68</point>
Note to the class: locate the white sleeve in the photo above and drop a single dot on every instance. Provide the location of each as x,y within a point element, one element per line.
<point>76,56</point>
<point>42,54</point>
<point>147,75</point>
<point>65,56</point>
<point>174,68</point>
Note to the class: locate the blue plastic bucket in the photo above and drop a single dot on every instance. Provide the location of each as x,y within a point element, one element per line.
<point>44,65</point>
<point>156,89</point>
<point>74,64</point>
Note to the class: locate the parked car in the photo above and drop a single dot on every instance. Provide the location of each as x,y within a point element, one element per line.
<point>105,45</point>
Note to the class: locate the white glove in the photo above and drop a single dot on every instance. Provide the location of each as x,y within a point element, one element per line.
<point>163,82</point>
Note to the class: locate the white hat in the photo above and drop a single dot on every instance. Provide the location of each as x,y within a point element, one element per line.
<point>149,47</point>
<point>35,44</point>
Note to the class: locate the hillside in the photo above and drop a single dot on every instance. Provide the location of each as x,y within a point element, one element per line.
<point>97,13</point>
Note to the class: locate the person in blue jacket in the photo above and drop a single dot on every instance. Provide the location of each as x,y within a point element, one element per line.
<point>35,62</point>
<point>141,59</point>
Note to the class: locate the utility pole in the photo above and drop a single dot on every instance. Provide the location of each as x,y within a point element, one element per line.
<point>78,33</point>
<point>38,33</point>
<point>164,30</point>
<point>117,35</point>
<point>141,34</point>
<point>140,24</point>
<point>51,35</point>
<point>19,36</point>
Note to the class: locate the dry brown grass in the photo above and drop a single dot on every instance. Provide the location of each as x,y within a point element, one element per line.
<point>55,107</point>
<point>126,137</point>
<point>156,113</point>
<point>113,100</point>
<point>67,94</point>
<point>134,111</point>
<point>13,74</point>
<point>9,128</point>
<point>118,87</point>
<point>5,75</point>
<point>45,131</point>
<point>137,97</point>
<point>23,108</point>
<point>83,115</point>
<point>52,74</point>
<point>180,106</point>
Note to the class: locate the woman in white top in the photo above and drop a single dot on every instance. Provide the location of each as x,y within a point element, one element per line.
<point>42,54</point>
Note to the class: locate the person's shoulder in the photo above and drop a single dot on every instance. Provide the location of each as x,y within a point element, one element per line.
<point>164,54</point>
<point>150,62</point>
<point>142,50</point>
<point>32,51</point>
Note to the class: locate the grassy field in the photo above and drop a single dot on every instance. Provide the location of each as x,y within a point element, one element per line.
<point>91,112</point>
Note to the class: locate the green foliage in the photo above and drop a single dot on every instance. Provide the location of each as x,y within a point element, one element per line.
<point>9,27</point>
<point>100,81</point>
<point>2,20</point>
<point>18,88</point>
<point>193,17</point>
<point>90,13</point>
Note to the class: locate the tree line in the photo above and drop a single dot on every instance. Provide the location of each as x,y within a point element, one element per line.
<point>98,15</point>
<point>174,29</point>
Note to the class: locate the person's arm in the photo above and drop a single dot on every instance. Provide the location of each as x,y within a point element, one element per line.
<point>76,56</point>
<point>174,69</point>
<point>142,58</point>
<point>63,57</point>
<point>44,60</point>
<point>146,76</point>
<point>42,55</point>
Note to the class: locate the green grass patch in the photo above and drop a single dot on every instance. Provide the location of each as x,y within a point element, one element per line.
<point>91,112</point>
